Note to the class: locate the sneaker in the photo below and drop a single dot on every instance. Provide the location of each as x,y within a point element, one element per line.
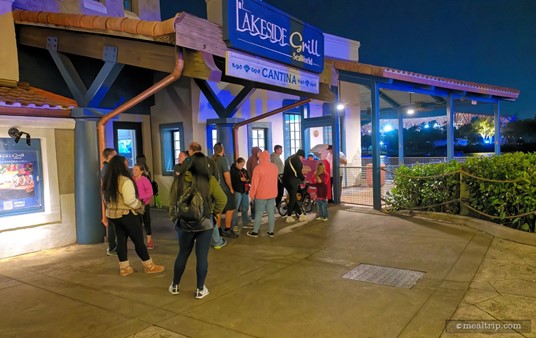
<point>201,293</point>
<point>223,243</point>
<point>290,219</point>
<point>112,252</point>
<point>174,289</point>
<point>271,234</point>
<point>303,218</point>
<point>150,245</point>
<point>325,219</point>
<point>248,226</point>
<point>252,234</point>
<point>236,229</point>
<point>319,218</point>
<point>229,233</point>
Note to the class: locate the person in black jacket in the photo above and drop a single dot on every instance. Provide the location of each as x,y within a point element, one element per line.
<point>198,174</point>
<point>292,178</point>
<point>240,182</point>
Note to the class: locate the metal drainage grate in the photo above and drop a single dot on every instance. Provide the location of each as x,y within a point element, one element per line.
<point>399,278</point>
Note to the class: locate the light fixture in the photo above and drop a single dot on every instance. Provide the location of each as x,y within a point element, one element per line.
<point>17,134</point>
<point>340,106</point>
<point>410,110</point>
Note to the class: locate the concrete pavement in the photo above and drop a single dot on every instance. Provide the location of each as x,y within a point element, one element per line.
<point>287,286</point>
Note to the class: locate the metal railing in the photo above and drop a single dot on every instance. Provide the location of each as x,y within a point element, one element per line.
<point>357,180</point>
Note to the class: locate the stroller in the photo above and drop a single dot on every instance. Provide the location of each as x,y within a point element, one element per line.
<point>304,199</point>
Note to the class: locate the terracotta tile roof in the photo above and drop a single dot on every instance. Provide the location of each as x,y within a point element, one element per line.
<point>24,96</point>
<point>99,23</point>
<point>429,80</point>
<point>154,29</point>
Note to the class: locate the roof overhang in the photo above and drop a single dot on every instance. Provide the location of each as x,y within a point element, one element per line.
<point>152,45</point>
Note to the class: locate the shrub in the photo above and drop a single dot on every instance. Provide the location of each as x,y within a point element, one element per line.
<point>432,187</point>
<point>503,188</point>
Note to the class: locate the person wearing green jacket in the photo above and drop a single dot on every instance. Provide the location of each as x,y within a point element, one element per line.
<point>215,200</point>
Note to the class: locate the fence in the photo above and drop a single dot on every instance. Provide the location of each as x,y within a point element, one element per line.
<point>357,180</point>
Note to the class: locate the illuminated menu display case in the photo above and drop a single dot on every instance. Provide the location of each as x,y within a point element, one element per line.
<point>21,189</point>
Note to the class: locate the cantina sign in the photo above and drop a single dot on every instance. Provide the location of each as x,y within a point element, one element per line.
<point>258,28</point>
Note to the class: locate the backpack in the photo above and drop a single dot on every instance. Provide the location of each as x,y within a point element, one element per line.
<point>155,187</point>
<point>192,209</point>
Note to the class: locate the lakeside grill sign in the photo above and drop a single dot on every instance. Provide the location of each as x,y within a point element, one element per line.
<point>255,27</point>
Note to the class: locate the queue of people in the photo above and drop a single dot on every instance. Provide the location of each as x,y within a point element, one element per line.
<point>226,192</point>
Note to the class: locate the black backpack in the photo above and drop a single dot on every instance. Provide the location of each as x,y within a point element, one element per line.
<point>192,208</point>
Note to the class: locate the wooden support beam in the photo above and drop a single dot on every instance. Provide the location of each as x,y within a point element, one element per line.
<point>139,53</point>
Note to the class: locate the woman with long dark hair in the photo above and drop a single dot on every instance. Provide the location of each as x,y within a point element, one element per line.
<point>124,208</point>
<point>215,200</point>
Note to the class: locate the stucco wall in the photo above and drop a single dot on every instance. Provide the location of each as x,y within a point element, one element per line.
<point>8,50</point>
<point>173,105</point>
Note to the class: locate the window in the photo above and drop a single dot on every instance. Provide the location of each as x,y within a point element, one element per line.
<point>258,138</point>
<point>177,144</point>
<point>260,135</point>
<point>172,143</point>
<point>127,140</point>
<point>127,4</point>
<point>326,131</point>
<point>293,132</point>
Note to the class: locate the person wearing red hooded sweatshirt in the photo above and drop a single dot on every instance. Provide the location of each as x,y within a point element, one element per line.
<point>263,192</point>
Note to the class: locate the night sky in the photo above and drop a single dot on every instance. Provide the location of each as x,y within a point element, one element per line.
<point>485,41</point>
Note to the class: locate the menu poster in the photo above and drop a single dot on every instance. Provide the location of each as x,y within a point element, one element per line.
<point>19,182</point>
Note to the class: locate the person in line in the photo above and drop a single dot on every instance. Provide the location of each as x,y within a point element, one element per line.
<point>241,185</point>
<point>142,161</point>
<point>312,157</point>
<point>252,162</point>
<point>183,155</point>
<point>210,189</point>
<point>222,168</point>
<point>320,179</point>
<point>123,208</point>
<point>107,154</point>
<point>342,161</point>
<point>263,193</point>
<point>275,158</point>
<point>217,242</point>
<point>145,192</point>
<point>292,178</point>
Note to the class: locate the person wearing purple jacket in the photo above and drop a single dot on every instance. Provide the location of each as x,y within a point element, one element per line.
<point>145,192</point>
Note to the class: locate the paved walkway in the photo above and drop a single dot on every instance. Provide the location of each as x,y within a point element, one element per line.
<point>287,286</point>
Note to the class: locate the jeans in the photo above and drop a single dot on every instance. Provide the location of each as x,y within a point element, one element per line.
<point>322,205</point>
<point>242,205</point>
<point>187,240</point>
<point>130,226</point>
<point>110,236</point>
<point>260,207</point>
<point>216,238</point>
